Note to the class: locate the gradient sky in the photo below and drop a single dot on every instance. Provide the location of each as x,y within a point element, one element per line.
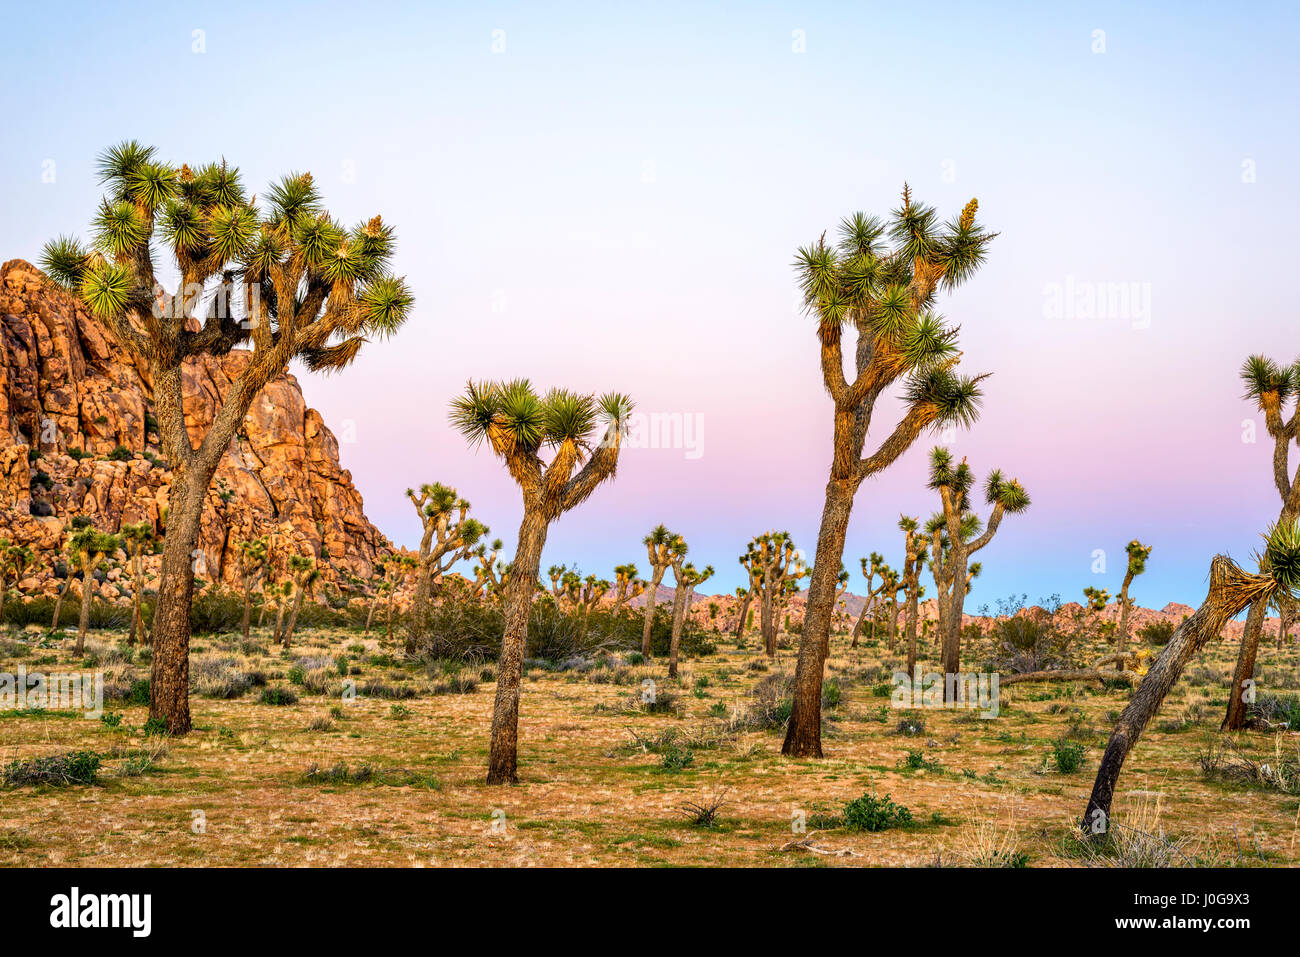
<point>613,201</point>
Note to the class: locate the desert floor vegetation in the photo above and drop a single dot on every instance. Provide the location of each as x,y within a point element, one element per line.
<point>284,767</point>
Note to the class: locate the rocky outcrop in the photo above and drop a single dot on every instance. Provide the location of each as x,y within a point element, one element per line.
<point>77,438</point>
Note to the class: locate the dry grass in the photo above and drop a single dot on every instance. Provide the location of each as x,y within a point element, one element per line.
<point>606,778</point>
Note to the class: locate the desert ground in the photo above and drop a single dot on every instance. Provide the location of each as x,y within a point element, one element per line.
<point>395,776</point>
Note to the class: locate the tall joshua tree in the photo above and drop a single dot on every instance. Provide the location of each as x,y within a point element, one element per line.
<point>658,546</point>
<point>253,555</point>
<point>951,563</point>
<point>283,275</point>
<point>886,295</point>
<point>448,535</point>
<point>518,424</point>
<point>1274,388</point>
<point>747,593</point>
<point>1231,592</point>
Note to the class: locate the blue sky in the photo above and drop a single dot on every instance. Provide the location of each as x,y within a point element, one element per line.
<point>612,198</point>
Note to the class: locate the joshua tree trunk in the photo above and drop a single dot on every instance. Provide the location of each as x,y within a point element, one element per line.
<point>169,679</point>
<point>504,754</point>
<point>87,596</point>
<point>912,611</point>
<point>803,736</point>
<point>248,607</point>
<point>651,593</point>
<point>744,612</point>
<point>293,615</point>
<point>1121,632</point>
<point>137,582</point>
<point>1226,598</point>
<point>679,617</point>
<point>1235,720</point>
<point>952,622</point>
<point>893,624</point>
<point>371,615</point>
<point>58,602</point>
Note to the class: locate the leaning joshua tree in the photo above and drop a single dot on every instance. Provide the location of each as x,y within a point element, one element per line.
<point>448,535</point>
<point>747,593</point>
<point>518,423</point>
<point>1231,591</point>
<point>886,294</point>
<point>1274,387</point>
<point>658,546</point>
<point>283,275</point>
<point>950,557</point>
<point>305,575</point>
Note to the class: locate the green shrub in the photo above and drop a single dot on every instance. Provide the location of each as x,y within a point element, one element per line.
<point>278,696</point>
<point>872,813</point>
<point>72,767</point>
<point>1156,633</point>
<point>1068,755</point>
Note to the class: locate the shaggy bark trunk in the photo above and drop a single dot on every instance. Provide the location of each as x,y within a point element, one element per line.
<point>893,625</point>
<point>278,637</point>
<point>87,596</point>
<point>767,620</point>
<point>370,617</point>
<point>1235,719</point>
<point>503,760</point>
<point>803,736</point>
<point>1203,626</point>
<point>651,594</point>
<point>169,679</point>
<point>679,616</point>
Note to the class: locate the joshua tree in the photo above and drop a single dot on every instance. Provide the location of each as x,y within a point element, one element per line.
<point>488,571</point>
<point>285,276</point>
<point>448,535</point>
<point>1274,388</point>
<point>305,575</point>
<point>278,594</point>
<point>627,586</point>
<point>886,294</point>
<point>747,594</point>
<point>253,556</point>
<point>687,579</point>
<point>1137,564</point>
<point>658,546</point>
<point>557,573</point>
<point>677,551</point>
<point>69,563</point>
<point>518,424</point>
<point>1231,591</point>
<point>892,586</point>
<point>89,549</point>
<point>396,570</point>
<point>777,562</point>
<point>950,557</point>
<point>14,561</point>
<point>137,539</point>
<point>914,552</point>
<point>587,595</point>
<point>1096,598</point>
<point>871,567</point>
